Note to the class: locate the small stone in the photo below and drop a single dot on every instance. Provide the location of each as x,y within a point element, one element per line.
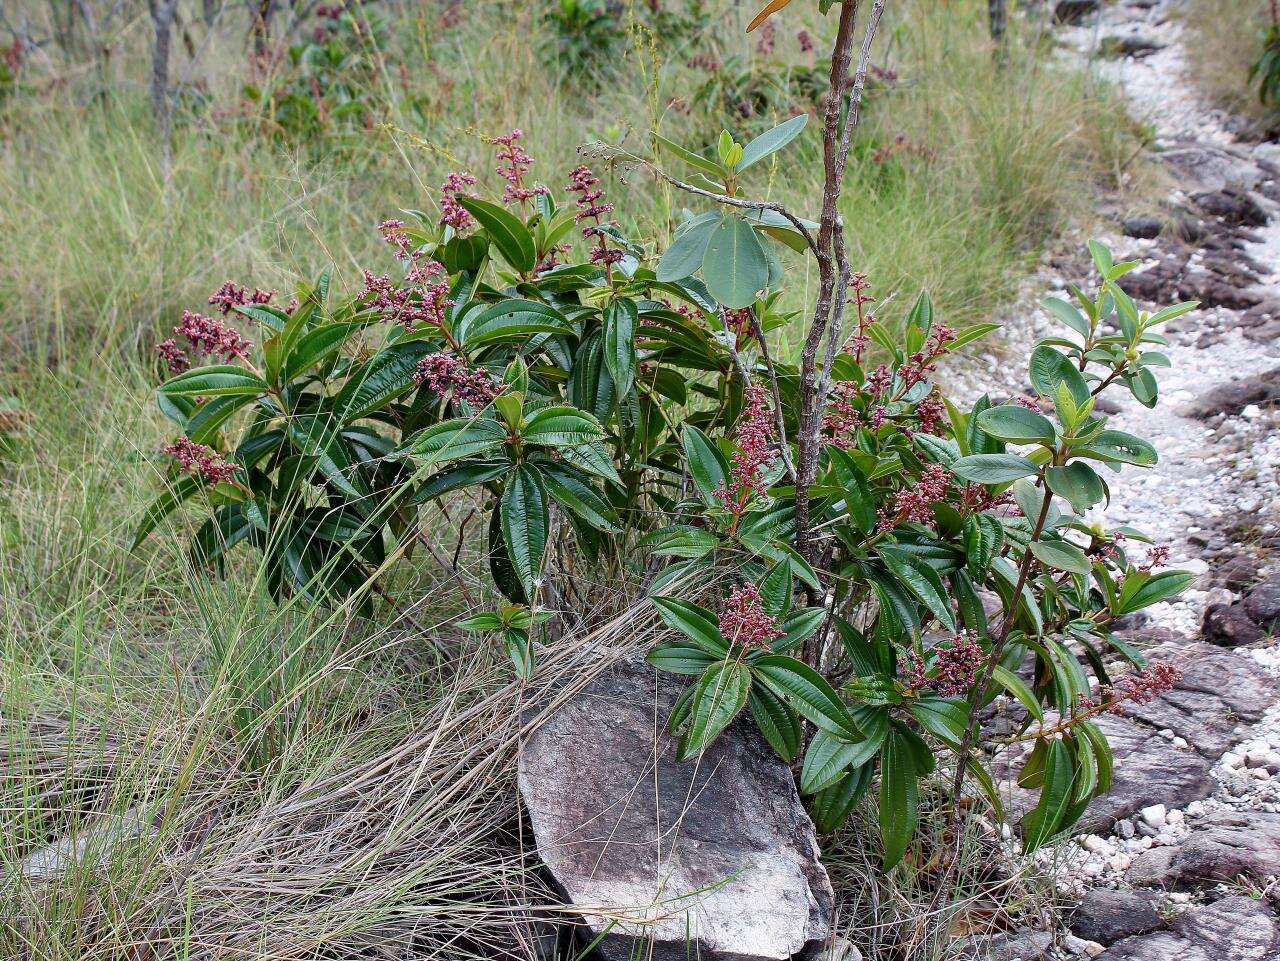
<point>1093,948</point>
<point>1251,412</point>
<point>1073,945</point>
<point>1262,603</point>
<point>1154,816</point>
<point>1124,829</point>
<point>1144,228</point>
<point>1229,626</point>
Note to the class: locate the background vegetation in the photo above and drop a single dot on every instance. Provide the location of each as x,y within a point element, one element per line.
<point>317,783</point>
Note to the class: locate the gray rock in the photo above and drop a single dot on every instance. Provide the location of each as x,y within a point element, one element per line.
<point>1128,46</point>
<point>1262,604</point>
<point>1227,625</point>
<point>1235,396</point>
<point>1232,206</point>
<point>1144,228</point>
<point>1212,167</point>
<point>1106,915</point>
<point>1074,11</point>
<point>1010,946</point>
<point>97,844</point>
<point>715,858</point>
<point>1218,690</point>
<point>1221,847</point>
<point>1237,927</point>
<point>1148,770</point>
<point>1233,929</point>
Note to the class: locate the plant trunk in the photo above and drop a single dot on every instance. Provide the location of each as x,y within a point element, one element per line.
<point>162,14</point>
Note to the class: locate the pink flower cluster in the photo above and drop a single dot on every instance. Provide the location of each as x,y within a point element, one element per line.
<point>210,336</point>
<point>1140,687</point>
<point>444,372</point>
<point>393,233</point>
<point>591,207</point>
<point>229,296</point>
<point>452,213</point>
<point>954,670</point>
<point>513,165</point>
<point>423,297</point>
<point>754,440</point>
<point>744,621</point>
<point>1156,557</point>
<point>932,413</point>
<point>915,504</point>
<point>925,361</point>
<point>174,356</point>
<point>805,40</point>
<point>199,460</point>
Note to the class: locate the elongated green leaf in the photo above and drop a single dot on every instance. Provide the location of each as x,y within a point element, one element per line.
<point>734,265</point>
<point>899,797</point>
<point>620,320</point>
<point>506,230</point>
<point>386,375</point>
<point>832,807</point>
<point>455,439</point>
<point>922,580</point>
<point>561,427</point>
<point>696,623</point>
<point>809,692</point>
<point>524,526</point>
<point>315,346</point>
<point>457,478</point>
<point>680,659</point>
<point>513,320</point>
<point>1061,556</point>
<point>993,468</point>
<point>706,464</point>
<point>828,758</point>
<point>776,721</point>
<point>1015,424</point>
<point>1143,591</point>
<point>1115,446</point>
<point>771,141</point>
<point>217,380</point>
<point>163,506</point>
<point>208,418</point>
<point>1018,688</point>
<point>694,160</point>
<point>944,719</point>
<point>719,696</point>
<point>1067,314</point>
<point>573,492</point>
<point>857,492</point>
<point>1043,821</point>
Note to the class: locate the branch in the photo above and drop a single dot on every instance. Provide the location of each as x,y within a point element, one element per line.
<point>758,331</point>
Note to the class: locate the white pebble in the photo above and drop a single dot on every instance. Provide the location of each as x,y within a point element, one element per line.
<point>1154,816</point>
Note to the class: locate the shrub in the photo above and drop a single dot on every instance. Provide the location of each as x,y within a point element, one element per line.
<point>819,533</point>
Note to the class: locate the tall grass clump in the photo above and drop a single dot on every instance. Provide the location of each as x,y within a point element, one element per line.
<point>1226,40</point>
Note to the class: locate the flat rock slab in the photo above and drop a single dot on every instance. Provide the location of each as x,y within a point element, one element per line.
<point>714,858</point>
<point>1149,769</point>
<point>1219,690</point>
<point>1221,847</point>
<point>1236,928</point>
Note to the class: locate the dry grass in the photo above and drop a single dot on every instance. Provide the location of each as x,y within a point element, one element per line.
<point>1225,41</point>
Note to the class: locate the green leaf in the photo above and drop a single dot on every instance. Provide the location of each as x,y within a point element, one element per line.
<point>1078,483</point>
<point>1064,312</point>
<point>455,439</point>
<point>771,141</point>
<point>684,257</point>
<point>524,526</point>
<point>798,625</point>
<point>993,468</point>
<point>1117,447</point>
<point>776,589</point>
<point>776,721</point>
<point>944,719</point>
<point>832,807</point>
<point>506,230</point>
<point>386,375</point>
<point>561,427</point>
<point>707,466</point>
<point>1015,424</point>
<point>572,491</point>
<point>1061,556</point>
<point>457,478</point>
<point>922,580</point>
<point>1142,590</point>
<point>734,265</point>
<point>217,380</point>
<point>1018,688</point>
<point>1055,796</point>
<point>1049,368</point>
<point>828,758</point>
<point>696,623</point>
<point>163,506</point>
<point>680,659</point>
<point>316,346</point>
<point>592,458</point>
<point>208,418</point>
<point>620,320</point>
<point>719,696</point>
<point>520,650</point>
<point>899,797</point>
<point>809,692</point>
<point>513,320</point>
<point>857,492</point>
<point>692,159</point>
